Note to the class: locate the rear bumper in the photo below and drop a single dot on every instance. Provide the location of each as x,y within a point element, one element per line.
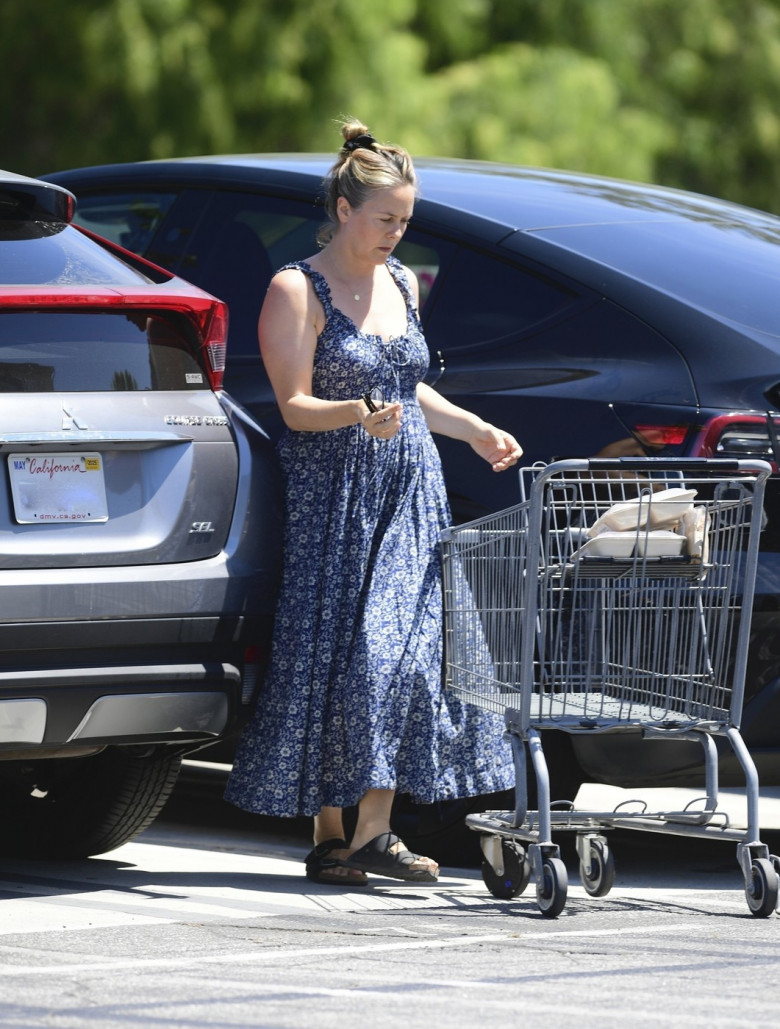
<point>94,706</point>
<point>211,588</point>
<point>155,654</point>
<point>54,618</point>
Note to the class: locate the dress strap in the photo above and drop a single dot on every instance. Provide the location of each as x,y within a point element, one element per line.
<point>318,281</point>
<point>322,289</point>
<point>398,272</point>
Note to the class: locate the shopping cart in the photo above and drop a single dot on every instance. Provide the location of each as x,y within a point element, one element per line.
<point>616,594</point>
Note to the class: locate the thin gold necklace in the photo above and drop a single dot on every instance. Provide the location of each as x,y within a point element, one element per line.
<point>355,296</point>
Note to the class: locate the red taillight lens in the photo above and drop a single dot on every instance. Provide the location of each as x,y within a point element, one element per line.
<point>662,435</point>
<point>253,666</point>
<point>69,208</point>
<point>215,344</point>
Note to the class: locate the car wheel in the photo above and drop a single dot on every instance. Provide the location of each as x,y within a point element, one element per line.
<point>76,807</point>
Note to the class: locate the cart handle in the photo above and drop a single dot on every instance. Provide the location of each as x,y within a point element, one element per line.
<point>669,464</point>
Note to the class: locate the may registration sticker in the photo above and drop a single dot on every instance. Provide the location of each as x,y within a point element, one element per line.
<point>63,487</point>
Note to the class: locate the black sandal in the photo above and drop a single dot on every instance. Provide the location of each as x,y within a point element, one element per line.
<point>321,868</point>
<point>379,858</point>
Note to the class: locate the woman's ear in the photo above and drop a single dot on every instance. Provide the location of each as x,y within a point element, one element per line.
<point>343,209</point>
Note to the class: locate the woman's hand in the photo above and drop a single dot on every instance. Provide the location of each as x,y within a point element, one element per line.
<point>385,423</point>
<point>498,448</point>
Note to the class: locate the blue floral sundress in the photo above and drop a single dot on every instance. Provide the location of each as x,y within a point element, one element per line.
<point>353,698</point>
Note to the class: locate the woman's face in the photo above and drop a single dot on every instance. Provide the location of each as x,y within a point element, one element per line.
<point>374,229</point>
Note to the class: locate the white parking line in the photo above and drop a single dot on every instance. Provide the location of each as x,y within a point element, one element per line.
<point>286,955</point>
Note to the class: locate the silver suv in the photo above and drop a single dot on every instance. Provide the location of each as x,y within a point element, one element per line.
<point>139,532</point>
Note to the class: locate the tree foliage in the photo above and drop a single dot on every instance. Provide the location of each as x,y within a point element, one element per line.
<point>681,93</point>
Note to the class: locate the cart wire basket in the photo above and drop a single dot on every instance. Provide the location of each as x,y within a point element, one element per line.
<point>616,594</point>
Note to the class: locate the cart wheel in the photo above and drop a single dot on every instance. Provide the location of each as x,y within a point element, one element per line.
<point>517,872</point>
<point>602,870</point>
<point>762,891</point>
<point>552,887</point>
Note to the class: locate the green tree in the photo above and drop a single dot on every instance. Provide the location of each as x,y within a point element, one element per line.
<point>46,85</point>
<point>502,107</point>
<point>679,92</point>
<point>708,69</point>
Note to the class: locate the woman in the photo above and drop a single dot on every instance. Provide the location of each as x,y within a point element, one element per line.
<point>352,710</point>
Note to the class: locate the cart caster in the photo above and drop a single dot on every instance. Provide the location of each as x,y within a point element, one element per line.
<point>597,870</point>
<point>762,890</point>
<point>516,875</point>
<point>552,887</point>
<point>775,860</point>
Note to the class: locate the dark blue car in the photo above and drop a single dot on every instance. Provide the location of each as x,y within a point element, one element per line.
<point>587,316</point>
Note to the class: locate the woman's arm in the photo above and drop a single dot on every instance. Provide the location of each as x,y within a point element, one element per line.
<point>289,324</point>
<point>500,449</point>
<point>497,447</point>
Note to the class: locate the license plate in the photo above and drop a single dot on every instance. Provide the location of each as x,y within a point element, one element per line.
<point>63,487</point>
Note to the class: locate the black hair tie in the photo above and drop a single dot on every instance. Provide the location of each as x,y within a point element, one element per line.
<point>364,142</point>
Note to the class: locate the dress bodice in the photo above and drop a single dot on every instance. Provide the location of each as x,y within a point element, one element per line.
<point>348,361</point>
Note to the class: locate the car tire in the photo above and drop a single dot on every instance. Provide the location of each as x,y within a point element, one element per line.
<point>77,807</point>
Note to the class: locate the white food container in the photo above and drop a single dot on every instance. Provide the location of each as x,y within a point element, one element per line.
<point>661,510</point>
<point>659,543</point>
<point>668,506</point>
<point>609,544</point>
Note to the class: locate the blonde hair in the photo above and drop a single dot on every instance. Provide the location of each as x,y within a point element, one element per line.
<point>362,166</point>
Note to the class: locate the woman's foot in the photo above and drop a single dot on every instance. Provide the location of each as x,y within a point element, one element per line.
<point>324,864</point>
<point>388,856</point>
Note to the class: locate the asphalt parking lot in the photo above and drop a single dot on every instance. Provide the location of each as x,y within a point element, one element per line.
<point>207,920</point>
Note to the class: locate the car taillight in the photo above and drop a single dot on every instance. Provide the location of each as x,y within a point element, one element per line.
<point>253,666</point>
<point>215,344</point>
<point>739,436</point>
<point>69,208</point>
<point>662,435</point>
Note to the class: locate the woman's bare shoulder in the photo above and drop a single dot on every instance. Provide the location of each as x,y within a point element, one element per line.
<point>290,288</point>
<point>290,307</point>
<point>291,280</point>
<point>411,278</point>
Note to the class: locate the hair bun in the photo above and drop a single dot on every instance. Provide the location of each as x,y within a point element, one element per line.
<point>362,142</point>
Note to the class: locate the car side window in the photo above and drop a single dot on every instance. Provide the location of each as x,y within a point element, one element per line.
<point>423,259</point>
<point>231,246</point>
<point>481,298</point>
<point>128,219</point>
